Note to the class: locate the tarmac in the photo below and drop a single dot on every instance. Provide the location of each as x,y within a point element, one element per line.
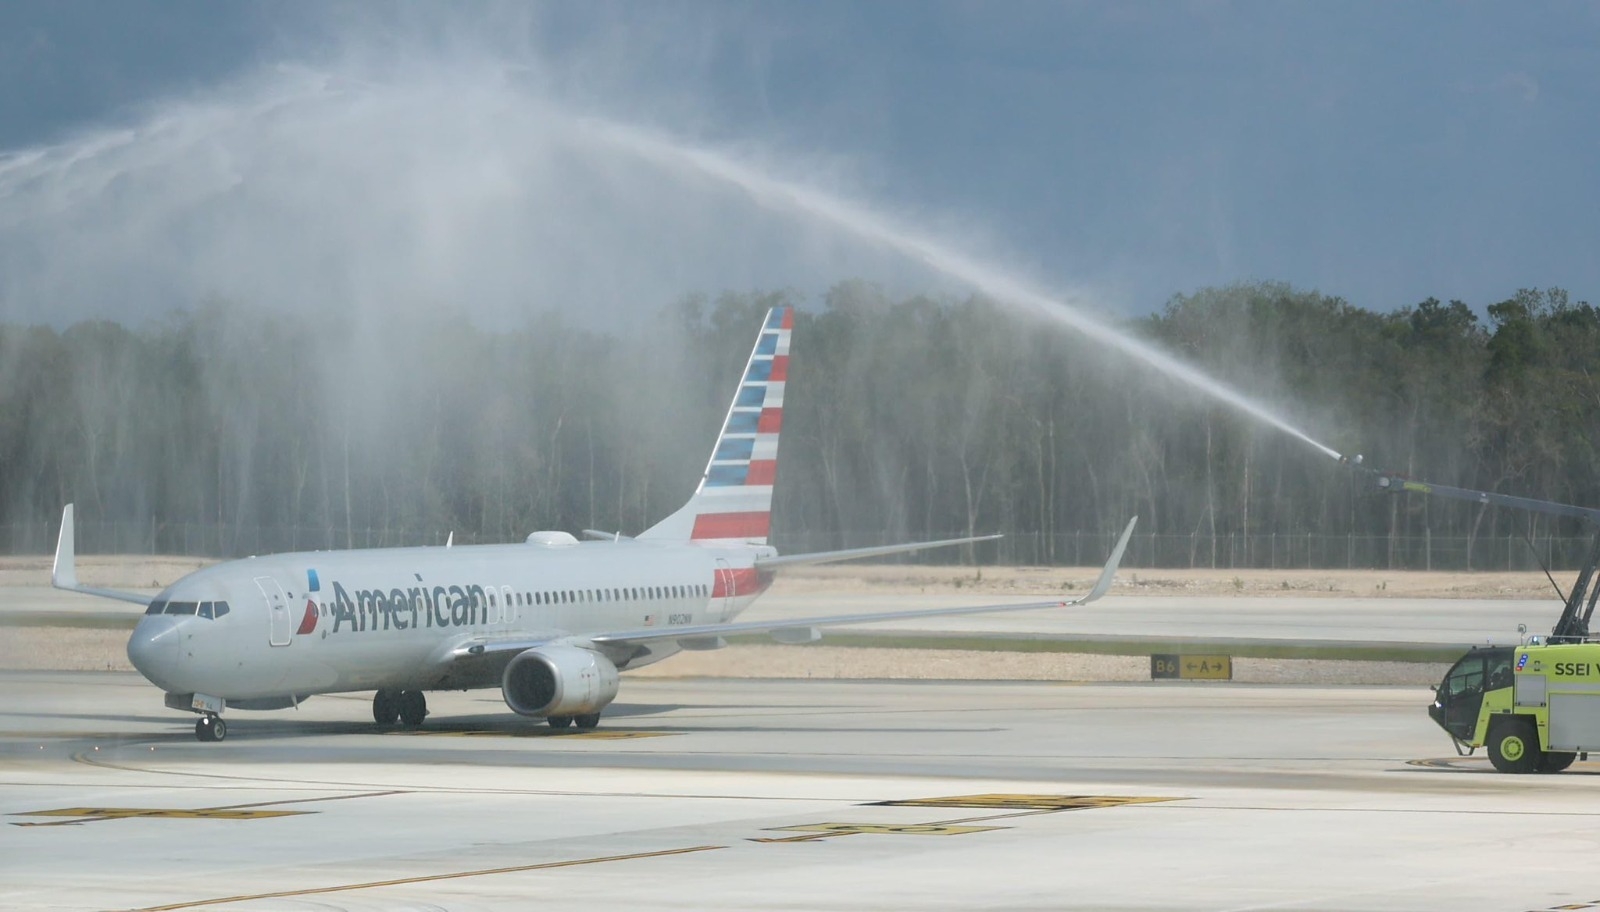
<point>729,794</point>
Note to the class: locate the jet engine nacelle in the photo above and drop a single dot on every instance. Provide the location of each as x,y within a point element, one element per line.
<point>559,680</point>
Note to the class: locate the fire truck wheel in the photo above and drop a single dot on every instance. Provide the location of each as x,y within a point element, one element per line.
<point>1556,761</point>
<point>1514,745</point>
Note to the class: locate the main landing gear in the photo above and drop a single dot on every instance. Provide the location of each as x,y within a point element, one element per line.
<point>210,728</point>
<point>585,721</point>
<point>408,706</point>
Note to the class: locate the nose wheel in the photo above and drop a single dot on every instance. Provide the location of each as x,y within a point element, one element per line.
<point>210,728</point>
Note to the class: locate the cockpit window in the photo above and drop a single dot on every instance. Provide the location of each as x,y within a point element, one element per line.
<point>203,609</point>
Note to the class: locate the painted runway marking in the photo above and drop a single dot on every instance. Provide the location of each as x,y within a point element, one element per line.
<point>89,815</point>
<point>250,811</point>
<point>1031,802</point>
<point>426,878</point>
<point>1018,805</point>
<point>824,830</point>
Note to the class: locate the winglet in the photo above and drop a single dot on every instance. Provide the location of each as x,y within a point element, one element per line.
<point>1103,584</point>
<point>64,573</point>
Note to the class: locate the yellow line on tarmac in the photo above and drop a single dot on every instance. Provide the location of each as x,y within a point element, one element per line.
<point>224,812</point>
<point>312,891</point>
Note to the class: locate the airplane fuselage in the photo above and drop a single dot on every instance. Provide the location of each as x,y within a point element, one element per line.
<point>324,622</point>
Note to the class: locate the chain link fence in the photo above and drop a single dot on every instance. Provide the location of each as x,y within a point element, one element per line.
<point>1269,551</point>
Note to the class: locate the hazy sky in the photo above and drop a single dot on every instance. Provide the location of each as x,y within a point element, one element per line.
<point>1385,152</point>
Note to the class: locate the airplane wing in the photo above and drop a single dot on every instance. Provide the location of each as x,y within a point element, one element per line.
<point>64,573</point>
<point>801,630</point>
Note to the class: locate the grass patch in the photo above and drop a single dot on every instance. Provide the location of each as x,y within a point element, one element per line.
<point>1142,646</point>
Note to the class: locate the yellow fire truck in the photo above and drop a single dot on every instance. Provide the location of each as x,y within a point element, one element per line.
<point>1536,706</point>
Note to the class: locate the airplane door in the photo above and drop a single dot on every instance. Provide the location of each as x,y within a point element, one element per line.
<point>280,625</point>
<point>720,607</point>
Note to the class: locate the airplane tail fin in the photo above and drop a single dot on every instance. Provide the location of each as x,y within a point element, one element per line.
<point>733,504</point>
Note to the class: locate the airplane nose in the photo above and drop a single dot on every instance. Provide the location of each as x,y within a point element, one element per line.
<point>153,648</point>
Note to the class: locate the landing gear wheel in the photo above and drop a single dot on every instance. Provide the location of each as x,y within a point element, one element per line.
<point>386,707</point>
<point>210,728</point>
<point>1556,761</point>
<point>413,707</point>
<point>587,721</point>
<point>559,721</point>
<point>1514,746</point>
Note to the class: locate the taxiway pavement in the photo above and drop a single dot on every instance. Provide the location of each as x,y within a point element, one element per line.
<point>701,794</point>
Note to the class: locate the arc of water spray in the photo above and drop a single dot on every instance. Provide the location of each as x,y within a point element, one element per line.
<point>873,227</point>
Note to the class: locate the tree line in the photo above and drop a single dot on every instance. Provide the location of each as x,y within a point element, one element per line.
<point>905,418</point>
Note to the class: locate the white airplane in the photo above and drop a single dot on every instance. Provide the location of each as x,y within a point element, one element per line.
<point>551,621</point>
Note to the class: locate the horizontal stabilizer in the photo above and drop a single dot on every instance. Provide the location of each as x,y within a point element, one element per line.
<point>828,557</point>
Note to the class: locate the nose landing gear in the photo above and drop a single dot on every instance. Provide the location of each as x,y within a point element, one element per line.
<point>210,728</point>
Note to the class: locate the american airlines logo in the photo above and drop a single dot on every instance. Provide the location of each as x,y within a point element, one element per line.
<point>402,609</point>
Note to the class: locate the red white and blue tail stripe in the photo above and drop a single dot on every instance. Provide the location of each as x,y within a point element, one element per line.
<point>733,504</point>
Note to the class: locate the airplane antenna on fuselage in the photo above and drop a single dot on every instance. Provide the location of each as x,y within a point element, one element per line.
<point>450,539</point>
